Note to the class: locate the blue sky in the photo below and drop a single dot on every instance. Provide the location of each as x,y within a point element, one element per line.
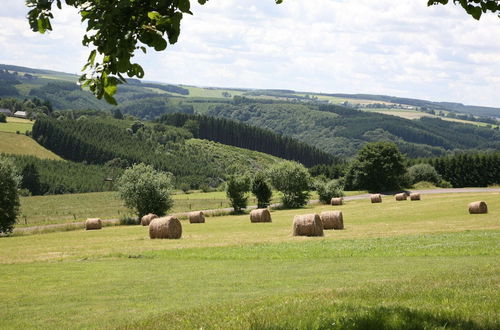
<point>401,48</point>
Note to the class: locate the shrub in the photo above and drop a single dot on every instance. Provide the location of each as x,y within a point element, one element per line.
<point>423,172</point>
<point>262,190</point>
<point>127,220</point>
<point>146,190</point>
<point>3,118</point>
<point>377,167</point>
<point>9,198</point>
<point>185,188</point>
<point>293,180</point>
<point>236,191</point>
<point>329,190</point>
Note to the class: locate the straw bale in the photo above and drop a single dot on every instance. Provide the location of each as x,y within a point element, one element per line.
<point>93,224</point>
<point>337,201</point>
<point>165,227</point>
<point>332,220</point>
<point>401,197</point>
<point>478,207</point>
<point>307,225</point>
<point>376,198</point>
<point>260,215</point>
<point>146,220</point>
<point>196,217</point>
<point>415,196</point>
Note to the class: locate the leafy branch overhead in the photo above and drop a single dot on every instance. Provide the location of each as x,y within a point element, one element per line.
<point>116,29</point>
<point>475,8</point>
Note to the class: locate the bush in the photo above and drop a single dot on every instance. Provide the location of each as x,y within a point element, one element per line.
<point>236,191</point>
<point>146,190</point>
<point>262,190</point>
<point>293,180</point>
<point>329,190</point>
<point>9,198</point>
<point>377,167</point>
<point>127,220</point>
<point>3,118</point>
<point>185,188</point>
<point>423,172</point>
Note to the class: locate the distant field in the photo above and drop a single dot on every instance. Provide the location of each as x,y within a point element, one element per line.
<point>205,92</point>
<point>20,144</point>
<point>16,124</point>
<point>397,265</point>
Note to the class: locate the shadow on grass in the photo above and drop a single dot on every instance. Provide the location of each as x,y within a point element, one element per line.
<point>383,318</point>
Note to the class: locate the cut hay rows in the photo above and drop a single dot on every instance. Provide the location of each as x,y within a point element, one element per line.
<point>93,224</point>
<point>478,207</point>
<point>196,217</point>
<point>332,220</point>
<point>260,215</point>
<point>146,220</point>
<point>166,227</point>
<point>307,225</point>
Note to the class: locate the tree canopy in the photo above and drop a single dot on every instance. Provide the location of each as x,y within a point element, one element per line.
<point>116,30</point>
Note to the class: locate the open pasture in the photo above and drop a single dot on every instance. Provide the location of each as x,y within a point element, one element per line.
<point>14,125</point>
<point>396,265</point>
<point>20,144</point>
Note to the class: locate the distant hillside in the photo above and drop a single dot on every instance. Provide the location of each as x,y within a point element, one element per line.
<point>167,148</point>
<point>245,136</point>
<point>342,131</point>
<point>448,106</point>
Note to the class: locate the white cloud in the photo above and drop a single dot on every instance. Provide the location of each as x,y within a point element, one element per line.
<point>401,48</point>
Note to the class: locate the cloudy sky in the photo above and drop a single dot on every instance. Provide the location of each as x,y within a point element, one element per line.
<point>401,48</point>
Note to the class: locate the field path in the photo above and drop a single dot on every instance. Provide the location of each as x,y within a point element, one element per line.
<point>226,210</point>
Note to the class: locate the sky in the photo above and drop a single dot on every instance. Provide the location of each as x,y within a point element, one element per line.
<point>391,47</point>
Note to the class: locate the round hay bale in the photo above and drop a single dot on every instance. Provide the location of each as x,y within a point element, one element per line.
<point>478,207</point>
<point>196,217</point>
<point>401,196</point>
<point>93,224</point>
<point>332,220</point>
<point>337,201</point>
<point>376,198</point>
<point>146,220</point>
<point>260,215</point>
<point>307,225</point>
<point>165,227</point>
<point>415,196</point>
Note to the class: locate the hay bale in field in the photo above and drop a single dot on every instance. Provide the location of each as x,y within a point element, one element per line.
<point>401,196</point>
<point>337,201</point>
<point>93,224</point>
<point>415,196</point>
<point>376,198</point>
<point>165,227</point>
<point>146,220</point>
<point>307,225</point>
<point>260,215</point>
<point>332,220</point>
<point>478,207</point>
<point>196,217</point>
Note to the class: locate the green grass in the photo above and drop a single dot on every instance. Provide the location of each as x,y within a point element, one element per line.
<point>14,125</point>
<point>52,209</point>
<point>210,92</point>
<point>20,144</point>
<point>416,265</point>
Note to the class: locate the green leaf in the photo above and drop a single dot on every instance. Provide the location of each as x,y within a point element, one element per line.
<point>110,99</point>
<point>184,6</point>
<point>154,15</point>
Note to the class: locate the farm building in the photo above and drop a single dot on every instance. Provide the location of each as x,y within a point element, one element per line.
<point>5,111</point>
<point>21,114</point>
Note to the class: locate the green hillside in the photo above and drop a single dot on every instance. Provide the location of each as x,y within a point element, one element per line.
<point>341,131</point>
<point>101,140</point>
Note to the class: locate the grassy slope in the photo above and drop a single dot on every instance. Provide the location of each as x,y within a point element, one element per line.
<point>19,144</point>
<point>16,124</point>
<point>425,263</point>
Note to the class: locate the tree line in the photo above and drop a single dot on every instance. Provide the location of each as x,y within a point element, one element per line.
<point>241,135</point>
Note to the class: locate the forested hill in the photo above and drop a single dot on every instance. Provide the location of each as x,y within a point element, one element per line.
<point>342,131</point>
<point>241,135</point>
<point>97,141</point>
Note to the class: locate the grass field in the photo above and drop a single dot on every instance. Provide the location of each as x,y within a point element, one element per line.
<point>20,144</point>
<point>417,265</point>
<point>14,125</point>
<point>52,209</point>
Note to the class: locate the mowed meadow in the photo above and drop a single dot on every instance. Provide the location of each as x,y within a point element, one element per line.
<point>411,264</point>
